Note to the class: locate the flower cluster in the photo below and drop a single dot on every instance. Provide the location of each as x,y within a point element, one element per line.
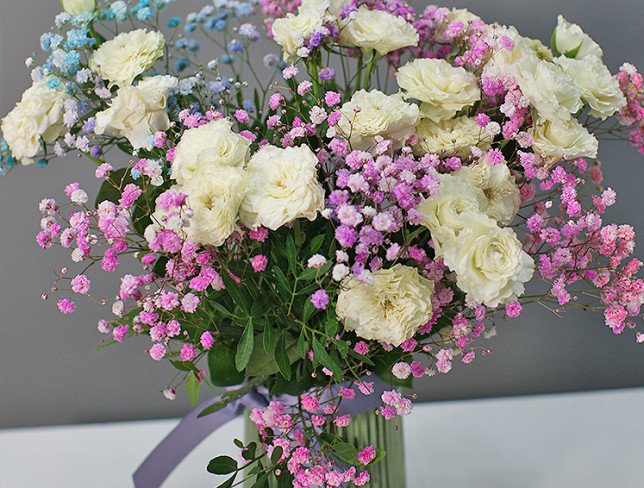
<point>303,231</point>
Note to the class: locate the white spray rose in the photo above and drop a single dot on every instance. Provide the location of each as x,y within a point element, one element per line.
<point>452,137</point>
<point>389,310</point>
<point>214,195</point>
<point>371,114</point>
<point>499,187</point>
<point>137,112</point>
<point>443,88</point>
<point>125,57</point>
<point>378,30</point>
<point>522,47</point>
<point>77,7</point>
<point>569,40</point>
<point>212,144</point>
<point>282,186</point>
<point>38,116</point>
<point>441,213</point>
<point>562,139</point>
<point>291,31</point>
<point>599,88</point>
<point>550,90</point>
<point>490,264</point>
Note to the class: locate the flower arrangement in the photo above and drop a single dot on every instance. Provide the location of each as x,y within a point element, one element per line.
<point>368,209</point>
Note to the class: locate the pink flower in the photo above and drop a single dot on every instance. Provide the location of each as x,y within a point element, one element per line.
<point>342,420</point>
<point>80,284</point>
<point>242,116</point>
<point>320,299</point>
<point>401,370</point>
<point>259,263</point>
<point>367,455</point>
<point>207,341</point>
<point>188,352</point>
<point>103,170</point>
<point>259,235</point>
<point>361,347</point>
<point>66,306</point>
<point>310,404</point>
<point>157,352</point>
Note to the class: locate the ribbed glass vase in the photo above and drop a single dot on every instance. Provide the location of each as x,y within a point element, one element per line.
<point>368,429</point>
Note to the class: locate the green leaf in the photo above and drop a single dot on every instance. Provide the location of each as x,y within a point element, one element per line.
<point>322,357</point>
<point>237,293</point>
<point>193,388</point>
<point>380,455</point>
<point>291,254</point>
<point>331,327</point>
<point>221,363</point>
<point>261,481</point>
<point>285,480</point>
<point>245,347</point>
<point>185,366</point>
<point>227,398</point>
<point>282,359</point>
<point>222,465</point>
<point>282,282</point>
<point>345,451</point>
<point>263,363</point>
<point>308,310</point>
<point>229,482</point>
<point>249,452</point>
<point>159,266</point>
<point>302,345</point>
<point>268,338</point>
<point>553,43</point>
<point>573,52</point>
<point>316,243</point>
<point>277,454</point>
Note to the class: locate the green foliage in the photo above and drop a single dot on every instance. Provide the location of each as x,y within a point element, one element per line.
<point>245,347</point>
<point>222,465</point>
<point>221,363</point>
<point>193,388</point>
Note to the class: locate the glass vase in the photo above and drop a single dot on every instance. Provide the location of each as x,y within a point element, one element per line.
<point>364,430</point>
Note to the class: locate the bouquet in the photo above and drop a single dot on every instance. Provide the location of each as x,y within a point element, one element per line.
<point>357,212</point>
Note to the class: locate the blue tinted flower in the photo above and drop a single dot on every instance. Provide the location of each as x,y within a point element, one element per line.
<point>53,83</point>
<point>144,14</point>
<point>235,46</point>
<point>119,9</point>
<point>248,106</point>
<point>181,63</point>
<point>228,59</point>
<point>174,22</point>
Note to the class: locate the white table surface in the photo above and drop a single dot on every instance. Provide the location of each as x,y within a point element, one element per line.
<point>583,440</point>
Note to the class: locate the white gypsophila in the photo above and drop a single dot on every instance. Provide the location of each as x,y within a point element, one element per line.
<point>78,7</point>
<point>214,196</point>
<point>555,140</point>
<point>377,30</point>
<point>291,31</point>
<point>568,38</point>
<point>212,144</point>
<point>372,113</point>
<point>282,186</point>
<point>452,137</point>
<point>550,90</point>
<point>490,264</point>
<point>129,54</point>
<point>499,187</point>
<point>441,213</point>
<point>137,112</point>
<point>599,88</point>
<point>37,117</point>
<point>388,310</point>
<point>442,88</point>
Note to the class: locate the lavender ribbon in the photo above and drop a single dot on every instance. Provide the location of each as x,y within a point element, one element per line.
<point>192,430</point>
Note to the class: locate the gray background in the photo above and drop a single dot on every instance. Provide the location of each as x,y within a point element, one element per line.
<point>50,373</point>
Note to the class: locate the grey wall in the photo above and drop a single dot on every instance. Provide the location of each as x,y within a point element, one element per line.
<point>50,373</point>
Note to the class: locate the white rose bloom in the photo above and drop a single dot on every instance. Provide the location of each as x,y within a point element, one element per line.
<point>452,137</point>
<point>523,47</point>
<point>563,139</point>
<point>291,31</point>
<point>569,37</point>
<point>443,89</point>
<point>377,29</point>
<point>389,310</point>
<point>137,112</point>
<point>441,213</point>
<point>550,90</point>
<point>371,114</point>
<point>214,196</point>
<point>77,7</point>
<point>499,187</point>
<point>125,57</point>
<point>462,15</point>
<point>282,186</point>
<point>212,144</point>
<point>38,116</point>
<point>599,88</point>
<point>490,265</point>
